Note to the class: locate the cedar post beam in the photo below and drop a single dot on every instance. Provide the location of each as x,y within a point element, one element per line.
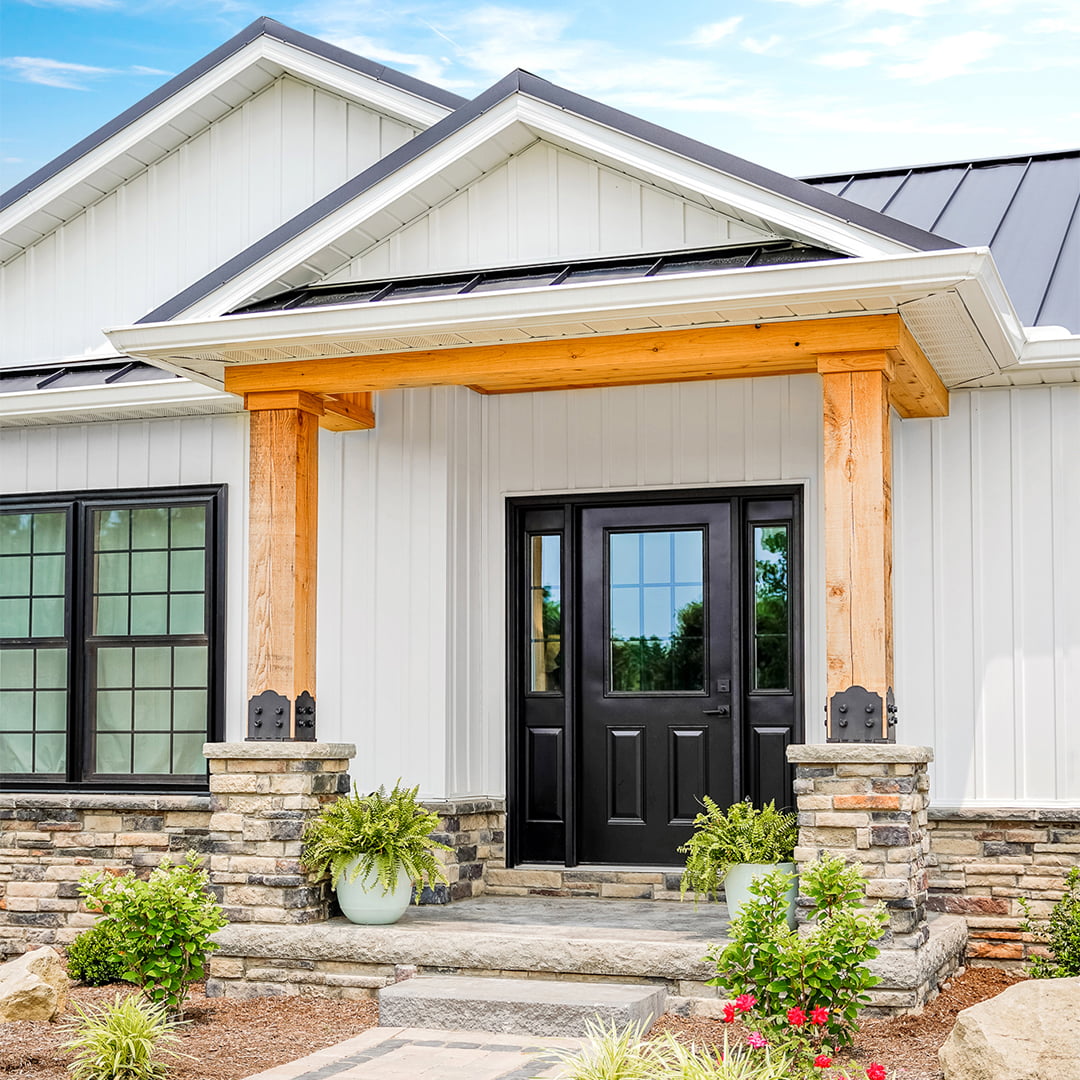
<point>282,545</point>
<point>858,534</point>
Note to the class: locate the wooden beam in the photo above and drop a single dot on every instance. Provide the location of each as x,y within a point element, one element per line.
<point>858,531</point>
<point>724,352</point>
<point>348,412</point>
<point>282,544</point>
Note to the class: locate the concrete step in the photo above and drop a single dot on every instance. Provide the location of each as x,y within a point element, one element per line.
<point>517,1006</point>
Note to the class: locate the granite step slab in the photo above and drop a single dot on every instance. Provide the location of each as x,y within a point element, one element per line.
<point>517,1006</point>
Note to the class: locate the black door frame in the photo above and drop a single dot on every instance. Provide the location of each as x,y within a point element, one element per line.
<point>553,840</point>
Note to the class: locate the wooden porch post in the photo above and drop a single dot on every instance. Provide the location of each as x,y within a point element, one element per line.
<point>282,545</point>
<point>858,537</point>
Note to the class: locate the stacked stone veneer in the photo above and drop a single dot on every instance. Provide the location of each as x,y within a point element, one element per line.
<point>48,842</point>
<point>630,884</point>
<point>475,831</point>
<point>262,794</point>
<point>983,861</point>
<point>869,803</point>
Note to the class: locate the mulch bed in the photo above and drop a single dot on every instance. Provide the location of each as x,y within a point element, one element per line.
<point>230,1040</point>
<point>906,1045</point>
<point>227,1039</point>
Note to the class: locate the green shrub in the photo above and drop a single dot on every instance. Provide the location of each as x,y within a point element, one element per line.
<point>1060,934</point>
<point>122,1041</point>
<point>740,834</point>
<point>90,956</point>
<point>823,968</point>
<point>385,832</point>
<point>162,927</point>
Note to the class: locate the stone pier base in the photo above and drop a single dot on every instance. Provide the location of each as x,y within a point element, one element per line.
<point>867,803</point>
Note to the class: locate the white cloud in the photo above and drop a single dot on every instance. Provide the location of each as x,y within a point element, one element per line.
<point>888,36</point>
<point>84,4</point>
<point>59,73</point>
<point>711,33</point>
<point>760,45</point>
<point>429,68</point>
<point>849,58</point>
<point>948,56</point>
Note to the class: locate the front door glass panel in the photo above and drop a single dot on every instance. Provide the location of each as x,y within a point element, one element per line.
<point>545,614</point>
<point>771,665</point>
<point>656,611</point>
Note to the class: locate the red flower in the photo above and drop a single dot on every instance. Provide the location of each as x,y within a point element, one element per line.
<point>822,1061</point>
<point>745,1002</point>
<point>796,1017</point>
<point>875,1071</point>
<point>756,1040</point>
<point>729,1012</point>
<point>821,1016</point>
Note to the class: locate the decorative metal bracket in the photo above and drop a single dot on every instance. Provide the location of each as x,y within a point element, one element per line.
<point>305,718</point>
<point>855,715</point>
<point>269,717</point>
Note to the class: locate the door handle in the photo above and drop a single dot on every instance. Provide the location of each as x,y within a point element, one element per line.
<point>722,710</point>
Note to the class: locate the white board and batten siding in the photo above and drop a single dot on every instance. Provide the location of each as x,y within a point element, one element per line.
<point>546,203</point>
<point>412,546</point>
<point>150,454</point>
<point>220,191</point>
<point>988,594</point>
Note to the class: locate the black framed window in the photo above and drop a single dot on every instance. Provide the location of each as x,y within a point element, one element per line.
<point>111,637</point>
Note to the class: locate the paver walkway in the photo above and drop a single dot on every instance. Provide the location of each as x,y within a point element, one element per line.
<point>426,1054</point>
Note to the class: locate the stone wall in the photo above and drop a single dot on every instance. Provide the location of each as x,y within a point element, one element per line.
<point>630,884</point>
<point>983,861</point>
<point>48,842</point>
<point>475,830</point>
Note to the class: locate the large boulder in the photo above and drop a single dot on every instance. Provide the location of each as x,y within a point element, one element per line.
<point>1028,1032</point>
<point>33,986</point>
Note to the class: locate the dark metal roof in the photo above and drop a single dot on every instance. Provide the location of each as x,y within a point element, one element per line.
<point>662,264</point>
<point>1025,209</point>
<point>260,27</point>
<point>523,82</point>
<point>74,376</point>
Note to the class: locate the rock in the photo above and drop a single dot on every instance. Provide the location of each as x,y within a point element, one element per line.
<point>1028,1032</point>
<point>33,986</point>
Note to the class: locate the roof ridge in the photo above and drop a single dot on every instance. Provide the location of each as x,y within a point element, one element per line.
<point>263,26</point>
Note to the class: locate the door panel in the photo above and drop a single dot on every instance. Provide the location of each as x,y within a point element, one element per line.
<point>655,612</point>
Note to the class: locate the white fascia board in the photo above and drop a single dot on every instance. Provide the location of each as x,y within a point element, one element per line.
<point>789,216</point>
<point>354,213</point>
<point>710,291</point>
<point>1062,350</point>
<point>991,309</point>
<point>341,80</point>
<point>361,88</point>
<point>141,395</point>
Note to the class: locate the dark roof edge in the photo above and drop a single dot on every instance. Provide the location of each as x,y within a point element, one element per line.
<point>897,170</point>
<point>334,200</point>
<point>261,26</point>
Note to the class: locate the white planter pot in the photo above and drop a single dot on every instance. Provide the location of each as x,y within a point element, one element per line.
<point>739,878</point>
<point>364,901</point>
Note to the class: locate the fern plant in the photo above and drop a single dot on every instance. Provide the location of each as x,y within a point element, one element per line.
<point>382,832</point>
<point>126,1040</point>
<point>740,834</point>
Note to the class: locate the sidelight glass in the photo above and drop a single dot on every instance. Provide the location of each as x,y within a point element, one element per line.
<point>545,613</point>
<point>656,611</point>
<point>771,664</point>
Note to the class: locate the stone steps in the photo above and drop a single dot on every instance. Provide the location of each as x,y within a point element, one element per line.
<point>517,1006</point>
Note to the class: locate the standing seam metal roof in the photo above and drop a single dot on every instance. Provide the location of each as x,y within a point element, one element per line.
<point>1025,209</point>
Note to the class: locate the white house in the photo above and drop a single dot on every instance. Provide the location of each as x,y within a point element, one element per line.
<point>617,456</point>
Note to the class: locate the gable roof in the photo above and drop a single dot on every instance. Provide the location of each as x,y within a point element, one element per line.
<point>1025,209</point>
<point>521,84</point>
<point>190,102</point>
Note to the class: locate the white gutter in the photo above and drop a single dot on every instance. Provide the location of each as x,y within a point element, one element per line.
<point>140,395</point>
<point>706,294</point>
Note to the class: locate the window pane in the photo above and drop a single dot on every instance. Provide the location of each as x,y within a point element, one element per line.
<point>16,710</point>
<point>17,752</point>
<point>187,754</point>
<point>153,710</point>
<point>51,711</point>
<point>186,614</point>
<point>149,571</point>
<point>15,575</point>
<point>148,614</point>
<point>188,526</point>
<point>16,669</point>
<point>189,710</point>
<point>545,613</point>
<point>113,667</point>
<point>49,575</point>
<point>50,532</point>
<point>113,753</point>
<point>190,666</point>
<point>771,669</point>
<point>656,611</point>
<point>112,530</point>
<point>188,571</point>
<point>114,710</point>
<point>15,533</point>
<point>14,618</point>
<point>153,667</point>
<point>51,667</point>
<point>153,753</point>
<point>150,528</point>
<point>47,619</point>
<point>50,753</point>
<point>112,573</point>
<point>111,616</point>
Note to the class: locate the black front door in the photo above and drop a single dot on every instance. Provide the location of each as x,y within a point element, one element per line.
<point>655,676</point>
<point>654,658</point>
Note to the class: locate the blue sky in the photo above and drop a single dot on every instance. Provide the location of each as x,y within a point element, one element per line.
<point>803,86</point>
